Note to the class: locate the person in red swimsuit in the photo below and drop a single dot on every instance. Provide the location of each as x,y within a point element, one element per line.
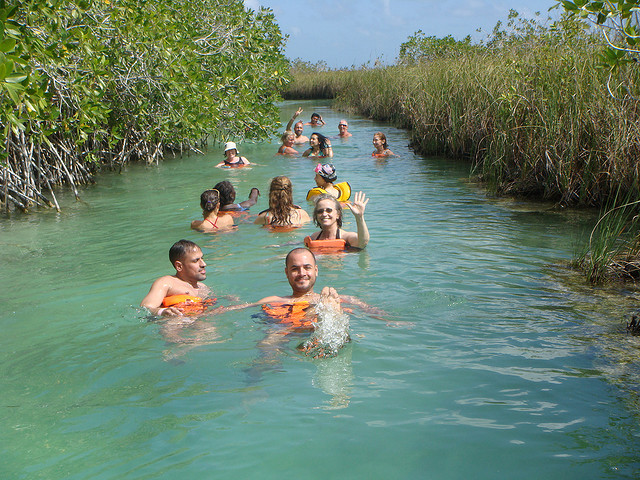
<point>213,219</point>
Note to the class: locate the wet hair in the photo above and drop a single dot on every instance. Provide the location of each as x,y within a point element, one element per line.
<point>322,140</point>
<point>227,192</point>
<point>285,135</point>
<point>210,200</point>
<point>281,200</point>
<point>179,249</point>
<point>337,206</point>
<point>383,138</point>
<point>297,249</point>
<point>314,114</point>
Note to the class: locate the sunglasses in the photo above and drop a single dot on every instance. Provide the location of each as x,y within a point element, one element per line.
<point>320,211</point>
<point>342,125</point>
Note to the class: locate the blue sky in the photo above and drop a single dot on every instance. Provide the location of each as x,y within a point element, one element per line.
<point>353,32</point>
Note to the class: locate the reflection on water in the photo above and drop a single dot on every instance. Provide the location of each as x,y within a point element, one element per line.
<point>493,361</point>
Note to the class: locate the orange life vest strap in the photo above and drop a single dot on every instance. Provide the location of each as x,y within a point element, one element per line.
<point>335,245</point>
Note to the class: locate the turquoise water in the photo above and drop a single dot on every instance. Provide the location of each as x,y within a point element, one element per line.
<point>501,364</point>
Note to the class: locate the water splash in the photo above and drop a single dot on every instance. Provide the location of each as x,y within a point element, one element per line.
<point>331,331</point>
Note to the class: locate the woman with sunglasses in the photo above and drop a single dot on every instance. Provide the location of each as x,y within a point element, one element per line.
<point>327,214</point>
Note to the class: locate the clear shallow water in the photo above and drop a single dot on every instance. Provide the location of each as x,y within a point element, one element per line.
<point>502,370</point>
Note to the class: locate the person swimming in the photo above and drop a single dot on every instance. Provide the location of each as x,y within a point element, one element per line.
<point>287,140</point>
<point>316,120</point>
<point>325,178</point>
<point>320,146</point>
<point>282,212</point>
<point>186,258</point>
<point>298,128</point>
<point>228,197</point>
<point>343,129</point>
<point>213,220</point>
<point>232,159</point>
<point>382,148</point>
<point>327,215</point>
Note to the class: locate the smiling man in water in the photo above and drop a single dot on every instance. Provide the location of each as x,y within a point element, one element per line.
<point>297,129</point>
<point>185,285</point>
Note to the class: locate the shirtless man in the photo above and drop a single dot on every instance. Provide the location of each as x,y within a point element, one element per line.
<point>342,128</point>
<point>316,120</point>
<point>186,258</point>
<point>297,129</point>
<point>301,270</point>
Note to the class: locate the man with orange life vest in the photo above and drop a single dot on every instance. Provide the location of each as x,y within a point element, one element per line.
<point>173,295</point>
<point>293,310</point>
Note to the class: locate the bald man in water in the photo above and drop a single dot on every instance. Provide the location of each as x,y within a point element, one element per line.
<point>297,129</point>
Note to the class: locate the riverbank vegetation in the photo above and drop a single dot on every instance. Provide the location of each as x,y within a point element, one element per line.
<point>533,108</point>
<point>87,84</point>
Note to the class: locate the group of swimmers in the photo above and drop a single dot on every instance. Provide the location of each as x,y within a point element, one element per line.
<point>184,293</point>
<point>320,145</point>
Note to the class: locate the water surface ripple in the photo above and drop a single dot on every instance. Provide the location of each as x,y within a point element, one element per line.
<point>493,361</point>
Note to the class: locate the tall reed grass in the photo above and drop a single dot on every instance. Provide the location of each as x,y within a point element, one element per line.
<point>532,113</point>
<point>534,119</point>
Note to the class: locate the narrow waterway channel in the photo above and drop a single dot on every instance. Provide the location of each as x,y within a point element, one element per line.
<point>495,362</point>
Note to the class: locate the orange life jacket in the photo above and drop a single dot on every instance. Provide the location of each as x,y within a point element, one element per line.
<point>326,246</point>
<point>294,315</point>
<point>190,305</point>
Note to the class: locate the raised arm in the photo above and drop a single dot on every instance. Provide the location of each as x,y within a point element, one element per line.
<point>295,115</point>
<point>357,207</point>
<point>328,149</point>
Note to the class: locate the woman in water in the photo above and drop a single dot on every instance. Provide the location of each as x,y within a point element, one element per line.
<point>380,142</point>
<point>282,212</point>
<point>328,216</point>
<point>287,139</point>
<point>232,159</point>
<point>320,146</point>
<point>228,197</point>
<point>210,203</point>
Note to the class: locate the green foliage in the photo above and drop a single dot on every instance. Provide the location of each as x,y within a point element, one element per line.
<point>612,251</point>
<point>618,22</point>
<point>422,48</point>
<point>95,81</point>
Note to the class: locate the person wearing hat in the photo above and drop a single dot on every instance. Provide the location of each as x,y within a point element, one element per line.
<point>231,157</point>
<point>325,178</point>
<point>342,128</point>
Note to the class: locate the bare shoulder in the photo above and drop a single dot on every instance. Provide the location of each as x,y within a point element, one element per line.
<point>225,220</point>
<point>261,219</point>
<point>303,215</point>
